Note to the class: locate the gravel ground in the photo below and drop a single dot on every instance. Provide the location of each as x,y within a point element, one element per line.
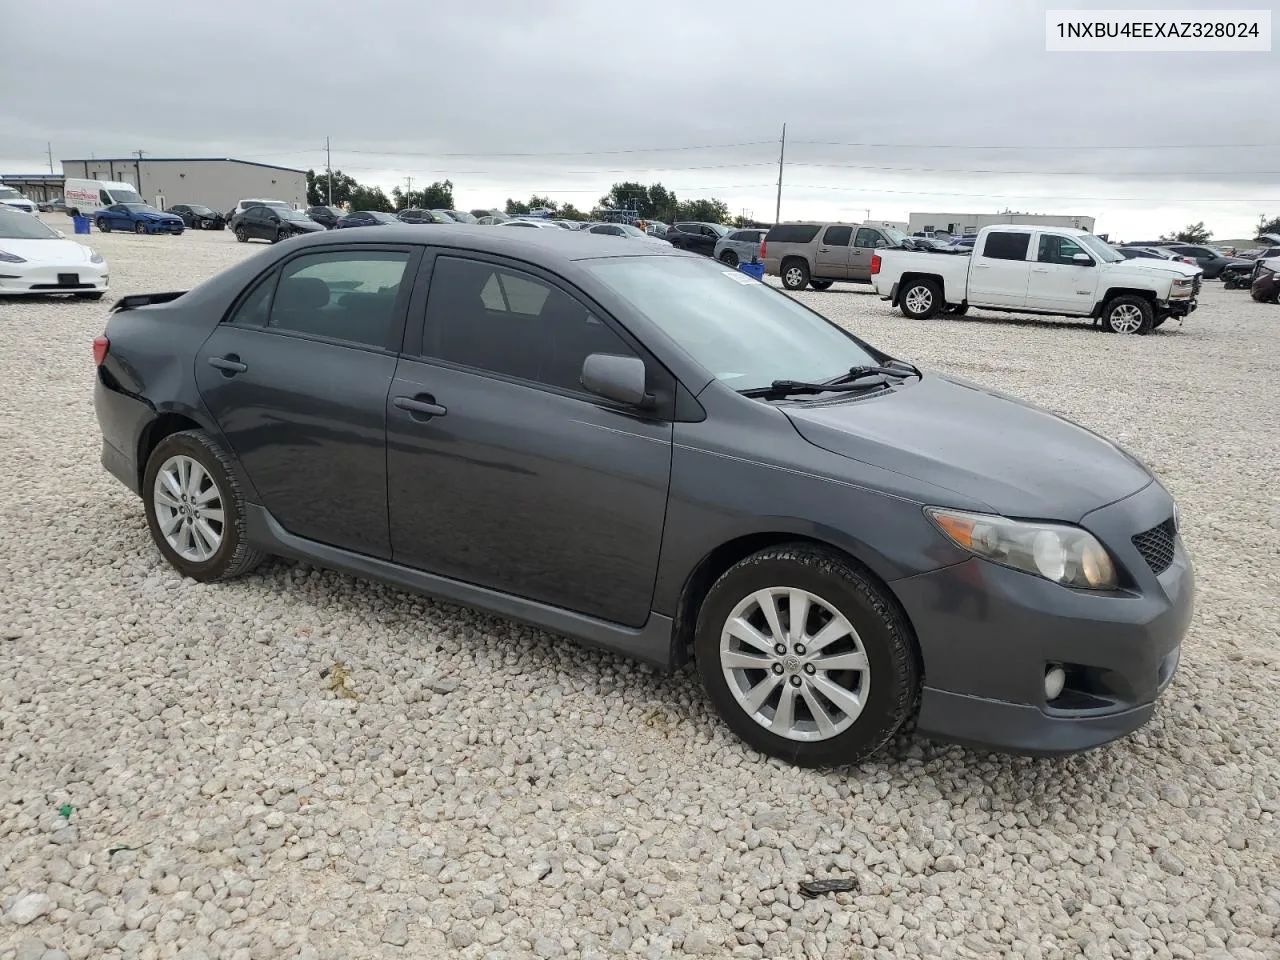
<point>299,764</point>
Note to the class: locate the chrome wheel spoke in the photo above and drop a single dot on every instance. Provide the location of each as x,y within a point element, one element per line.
<point>841,661</point>
<point>213,516</point>
<point>798,613</point>
<point>165,499</point>
<point>784,716</point>
<point>761,692</point>
<point>173,486</point>
<point>207,536</point>
<point>738,660</point>
<point>739,629</point>
<point>170,523</point>
<point>843,700</point>
<point>833,631</point>
<point>821,718</point>
<point>208,496</point>
<point>195,479</point>
<point>769,607</point>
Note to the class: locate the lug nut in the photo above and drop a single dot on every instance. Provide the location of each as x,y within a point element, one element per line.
<point>810,669</point>
<point>780,650</point>
<point>800,649</point>
<point>795,681</point>
<point>777,668</point>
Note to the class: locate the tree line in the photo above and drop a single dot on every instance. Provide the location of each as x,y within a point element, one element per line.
<point>652,202</point>
<point>1199,233</point>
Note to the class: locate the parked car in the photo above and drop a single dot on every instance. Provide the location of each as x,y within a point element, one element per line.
<point>272,224</point>
<point>1210,260</point>
<point>657,228</point>
<point>461,216</point>
<point>697,237</point>
<point>739,246</point>
<point>837,572</point>
<point>818,254</point>
<point>626,231</point>
<point>365,218</point>
<point>14,200</point>
<point>492,220</point>
<point>54,205</point>
<point>414,215</point>
<point>36,259</point>
<point>86,198</point>
<point>326,216</point>
<point>1266,281</point>
<point>196,217</point>
<point>138,217</point>
<point>244,205</point>
<point>1052,270</point>
<point>536,224</point>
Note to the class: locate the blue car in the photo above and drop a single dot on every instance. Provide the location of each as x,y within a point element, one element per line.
<point>138,217</point>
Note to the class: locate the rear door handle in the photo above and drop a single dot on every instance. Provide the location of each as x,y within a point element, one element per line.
<point>823,250</point>
<point>1040,270</point>
<point>421,407</point>
<point>230,364</point>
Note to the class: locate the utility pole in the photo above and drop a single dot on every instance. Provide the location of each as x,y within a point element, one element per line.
<point>137,169</point>
<point>328,165</point>
<point>50,146</point>
<point>408,189</point>
<point>782,153</point>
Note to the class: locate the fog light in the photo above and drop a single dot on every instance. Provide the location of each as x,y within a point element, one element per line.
<point>1055,678</point>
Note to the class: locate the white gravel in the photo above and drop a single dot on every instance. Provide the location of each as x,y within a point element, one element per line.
<point>484,790</point>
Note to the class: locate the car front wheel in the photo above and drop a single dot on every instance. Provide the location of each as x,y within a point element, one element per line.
<point>242,235</point>
<point>1128,314</point>
<point>194,508</point>
<point>806,658</point>
<point>104,225</point>
<point>139,227</point>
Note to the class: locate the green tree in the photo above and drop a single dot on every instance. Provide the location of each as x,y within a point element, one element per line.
<point>1192,233</point>
<point>707,211</point>
<point>1266,225</point>
<point>437,196</point>
<point>570,212</point>
<point>536,202</point>
<point>654,202</point>
<point>370,198</point>
<point>318,188</point>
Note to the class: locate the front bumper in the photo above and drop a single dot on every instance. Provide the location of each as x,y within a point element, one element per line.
<point>164,226</point>
<point>88,278</point>
<point>1182,306</point>
<point>987,634</point>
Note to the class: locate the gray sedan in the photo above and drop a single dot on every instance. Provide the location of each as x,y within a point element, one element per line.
<point>739,246</point>
<point>642,450</point>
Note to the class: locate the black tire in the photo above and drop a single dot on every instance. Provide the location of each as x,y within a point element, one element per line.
<point>282,235</point>
<point>103,225</point>
<point>242,235</point>
<point>795,274</point>
<point>729,258</point>
<point>1128,313</point>
<point>139,227</point>
<point>1158,320</point>
<point>92,295</point>
<point>821,284</point>
<point>894,679</point>
<point>956,309</point>
<point>920,299</point>
<point>234,555</point>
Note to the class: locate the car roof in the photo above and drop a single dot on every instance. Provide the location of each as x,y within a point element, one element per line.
<point>547,247</point>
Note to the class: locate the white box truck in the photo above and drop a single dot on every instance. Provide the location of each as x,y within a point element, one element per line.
<point>86,197</point>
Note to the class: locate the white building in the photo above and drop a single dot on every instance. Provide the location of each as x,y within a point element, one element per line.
<point>216,182</point>
<point>967,224</point>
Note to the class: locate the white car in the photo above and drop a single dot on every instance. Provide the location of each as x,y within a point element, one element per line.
<point>628,231</point>
<point>14,200</point>
<point>35,258</point>
<point>536,224</point>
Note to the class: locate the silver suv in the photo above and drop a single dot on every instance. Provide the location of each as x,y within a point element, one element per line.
<point>739,246</point>
<point>818,254</point>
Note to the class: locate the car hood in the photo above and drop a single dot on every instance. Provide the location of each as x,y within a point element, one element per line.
<point>48,252</point>
<point>1019,460</point>
<point>1156,268</point>
<point>158,215</point>
<point>308,226</point>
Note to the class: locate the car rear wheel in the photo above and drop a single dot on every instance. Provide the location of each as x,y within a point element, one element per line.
<point>103,225</point>
<point>729,258</point>
<point>806,658</point>
<point>821,284</point>
<point>1128,314</point>
<point>242,234</point>
<point>795,274</point>
<point>920,299</point>
<point>194,508</point>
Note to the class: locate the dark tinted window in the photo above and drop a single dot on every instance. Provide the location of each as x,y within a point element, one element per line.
<point>837,236</point>
<point>507,322</point>
<point>869,238</point>
<point>252,311</point>
<point>792,233</point>
<point>349,295</point>
<point>686,227</point>
<point>1007,246</point>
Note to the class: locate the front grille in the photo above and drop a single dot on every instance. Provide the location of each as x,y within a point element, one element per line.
<point>1156,546</point>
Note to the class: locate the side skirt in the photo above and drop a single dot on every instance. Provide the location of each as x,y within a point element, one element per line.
<point>650,644</point>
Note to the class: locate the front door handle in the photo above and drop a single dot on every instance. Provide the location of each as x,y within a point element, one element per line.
<point>1040,270</point>
<point>421,407</point>
<point>230,364</point>
<point>823,250</point>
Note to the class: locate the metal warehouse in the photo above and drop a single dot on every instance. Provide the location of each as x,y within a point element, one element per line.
<point>216,182</point>
<point>967,224</point>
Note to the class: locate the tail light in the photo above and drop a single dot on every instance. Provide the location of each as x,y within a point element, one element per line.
<point>764,247</point>
<point>875,264</point>
<point>100,347</point>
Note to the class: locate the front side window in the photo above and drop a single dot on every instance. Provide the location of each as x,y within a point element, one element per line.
<point>869,238</point>
<point>1006,246</point>
<point>506,322</point>
<point>349,295</point>
<point>740,331</point>
<point>1055,249</point>
<point>254,310</point>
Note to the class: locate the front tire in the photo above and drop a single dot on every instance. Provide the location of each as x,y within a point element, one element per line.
<point>795,274</point>
<point>281,235</point>
<point>848,677</point>
<point>920,299</point>
<point>1128,314</point>
<point>103,225</point>
<point>242,235</point>
<point>139,227</point>
<point>821,284</point>
<point>195,510</point>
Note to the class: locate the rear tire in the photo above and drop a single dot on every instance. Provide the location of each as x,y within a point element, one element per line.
<point>242,235</point>
<point>1128,314</point>
<point>871,694</point>
<point>821,284</point>
<point>795,274</point>
<point>198,525</point>
<point>729,258</point>
<point>920,299</point>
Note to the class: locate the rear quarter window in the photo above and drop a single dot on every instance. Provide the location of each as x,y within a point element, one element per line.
<point>793,233</point>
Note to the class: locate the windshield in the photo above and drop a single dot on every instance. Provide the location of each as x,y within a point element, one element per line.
<point>292,214</point>
<point>742,331</point>
<point>144,207</point>
<point>631,231</point>
<point>8,193</point>
<point>719,228</point>
<point>15,225</point>
<point>461,216</point>
<point>125,196</point>
<point>1104,250</point>
<point>444,215</point>
<point>382,217</point>
<point>203,211</point>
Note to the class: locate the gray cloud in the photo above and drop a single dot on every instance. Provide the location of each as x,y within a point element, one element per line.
<point>918,105</point>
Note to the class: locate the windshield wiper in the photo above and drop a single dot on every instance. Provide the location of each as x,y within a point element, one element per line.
<point>841,384</point>
<point>899,368</point>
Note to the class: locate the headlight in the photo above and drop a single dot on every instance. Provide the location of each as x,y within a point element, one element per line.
<point>1064,554</point>
<point>7,257</point>
<point>1184,281</point>
<point>95,257</point>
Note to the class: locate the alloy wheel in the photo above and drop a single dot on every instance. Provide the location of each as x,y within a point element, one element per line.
<point>189,508</point>
<point>919,299</point>
<point>1126,318</point>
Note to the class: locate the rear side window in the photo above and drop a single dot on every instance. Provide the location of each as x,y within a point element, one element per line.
<point>792,233</point>
<point>255,308</point>
<point>1006,246</point>
<point>349,295</point>
<point>837,236</point>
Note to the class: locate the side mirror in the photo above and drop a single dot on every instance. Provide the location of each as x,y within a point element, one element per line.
<point>62,235</point>
<point>1082,260</point>
<point>615,378</point>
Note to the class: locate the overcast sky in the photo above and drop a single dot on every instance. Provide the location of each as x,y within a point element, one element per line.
<point>922,105</point>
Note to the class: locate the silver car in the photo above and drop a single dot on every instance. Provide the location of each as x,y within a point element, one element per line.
<point>739,246</point>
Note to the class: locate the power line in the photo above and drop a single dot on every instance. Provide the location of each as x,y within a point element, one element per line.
<point>567,153</point>
<point>1073,146</point>
<point>1046,173</point>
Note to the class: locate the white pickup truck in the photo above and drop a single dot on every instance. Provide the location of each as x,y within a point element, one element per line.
<point>1047,270</point>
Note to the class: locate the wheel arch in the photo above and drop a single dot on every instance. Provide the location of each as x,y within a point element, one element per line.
<point>912,275</point>
<point>175,419</point>
<point>1113,292</point>
<point>721,558</point>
